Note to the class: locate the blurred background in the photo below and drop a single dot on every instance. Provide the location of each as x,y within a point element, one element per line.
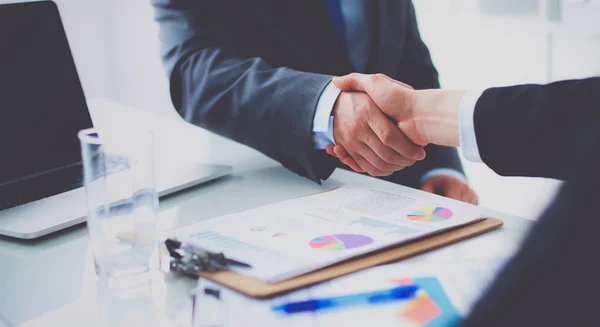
<point>474,44</point>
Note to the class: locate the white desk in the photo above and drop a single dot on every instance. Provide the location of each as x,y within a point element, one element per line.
<point>51,281</point>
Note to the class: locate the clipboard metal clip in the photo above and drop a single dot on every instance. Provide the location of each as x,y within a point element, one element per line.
<point>191,260</point>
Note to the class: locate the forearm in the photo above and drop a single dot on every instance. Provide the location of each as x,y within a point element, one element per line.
<point>220,83</point>
<point>522,130</point>
<point>537,130</point>
<point>270,109</point>
<point>436,116</point>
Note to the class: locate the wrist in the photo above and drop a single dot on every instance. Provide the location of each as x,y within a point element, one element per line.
<point>436,114</point>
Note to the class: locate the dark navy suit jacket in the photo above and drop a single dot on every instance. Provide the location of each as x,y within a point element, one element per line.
<point>548,131</point>
<point>253,71</point>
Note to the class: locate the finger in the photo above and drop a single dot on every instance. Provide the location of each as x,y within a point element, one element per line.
<point>366,152</point>
<point>352,164</point>
<point>360,82</point>
<point>399,83</point>
<point>343,157</point>
<point>350,82</point>
<point>428,186</point>
<point>465,195</point>
<point>330,151</point>
<point>436,185</point>
<point>340,151</point>
<point>386,153</point>
<point>390,136</point>
<point>456,192</point>
<point>367,167</point>
<point>472,197</point>
<point>346,159</point>
<point>468,195</point>
<point>382,89</point>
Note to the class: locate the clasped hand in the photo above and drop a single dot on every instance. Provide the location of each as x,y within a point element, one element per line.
<point>381,126</point>
<point>373,125</point>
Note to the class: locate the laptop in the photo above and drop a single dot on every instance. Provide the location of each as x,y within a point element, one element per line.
<point>42,107</point>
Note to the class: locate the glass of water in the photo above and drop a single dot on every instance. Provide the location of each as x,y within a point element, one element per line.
<point>122,202</point>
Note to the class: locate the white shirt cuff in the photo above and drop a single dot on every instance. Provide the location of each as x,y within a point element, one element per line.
<point>323,121</point>
<point>324,108</point>
<point>468,139</point>
<point>323,139</point>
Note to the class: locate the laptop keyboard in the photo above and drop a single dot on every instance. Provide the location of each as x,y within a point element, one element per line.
<point>39,187</point>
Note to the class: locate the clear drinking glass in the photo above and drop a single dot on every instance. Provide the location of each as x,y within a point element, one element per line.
<point>122,202</point>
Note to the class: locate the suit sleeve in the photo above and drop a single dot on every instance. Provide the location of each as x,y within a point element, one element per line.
<point>213,85</point>
<point>553,278</point>
<point>417,69</point>
<point>533,130</point>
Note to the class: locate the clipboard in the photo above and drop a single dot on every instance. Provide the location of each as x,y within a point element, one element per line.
<point>262,290</point>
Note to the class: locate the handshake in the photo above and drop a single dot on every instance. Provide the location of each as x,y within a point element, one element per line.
<point>381,125</point>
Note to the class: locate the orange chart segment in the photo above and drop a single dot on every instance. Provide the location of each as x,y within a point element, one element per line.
<point>431,307</point>
<point>421,311</point>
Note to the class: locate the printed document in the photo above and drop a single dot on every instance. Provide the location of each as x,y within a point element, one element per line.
<point>293,237</point>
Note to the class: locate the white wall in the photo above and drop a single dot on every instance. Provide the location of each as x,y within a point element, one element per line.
<point>90,40</point>
<point>116,50</point>
<point>139,76</point>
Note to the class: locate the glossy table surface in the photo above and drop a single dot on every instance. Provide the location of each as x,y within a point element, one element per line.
<point>51,281</point>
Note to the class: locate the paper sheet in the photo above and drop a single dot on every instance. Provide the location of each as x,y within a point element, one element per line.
<point>288,238</point>
<point>449,293</point>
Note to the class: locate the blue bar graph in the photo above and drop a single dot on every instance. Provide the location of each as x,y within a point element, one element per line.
<point>223,242</point>
<point>373,223</point>
<point>393,228</point>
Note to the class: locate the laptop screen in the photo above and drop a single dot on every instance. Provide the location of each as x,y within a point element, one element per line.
<point>42,105</point>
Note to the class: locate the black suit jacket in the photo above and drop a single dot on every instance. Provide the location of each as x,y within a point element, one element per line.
<point>550,131</point>
<point>253,71</point>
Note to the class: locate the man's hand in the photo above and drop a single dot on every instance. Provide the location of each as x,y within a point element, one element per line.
<point>397,100</point>
<point>451,187</point>
<point>374,142</point>
<point>394,98</point>
<point>427,116</point>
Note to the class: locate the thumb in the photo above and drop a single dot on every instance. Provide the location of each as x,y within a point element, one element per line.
<point>401,84</point>
<point>351,82</point>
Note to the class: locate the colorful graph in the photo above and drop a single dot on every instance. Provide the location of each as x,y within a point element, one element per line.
<point>279,235</point>
<point>257,228</point>
<point>340,242</point>
<point>430,215</point>
<point>431,307</point>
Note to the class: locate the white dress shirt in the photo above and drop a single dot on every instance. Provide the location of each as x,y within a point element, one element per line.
<point>466,126</point>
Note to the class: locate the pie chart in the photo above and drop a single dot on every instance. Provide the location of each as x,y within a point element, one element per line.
<point>339,242</point>
<point>430,215</point>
